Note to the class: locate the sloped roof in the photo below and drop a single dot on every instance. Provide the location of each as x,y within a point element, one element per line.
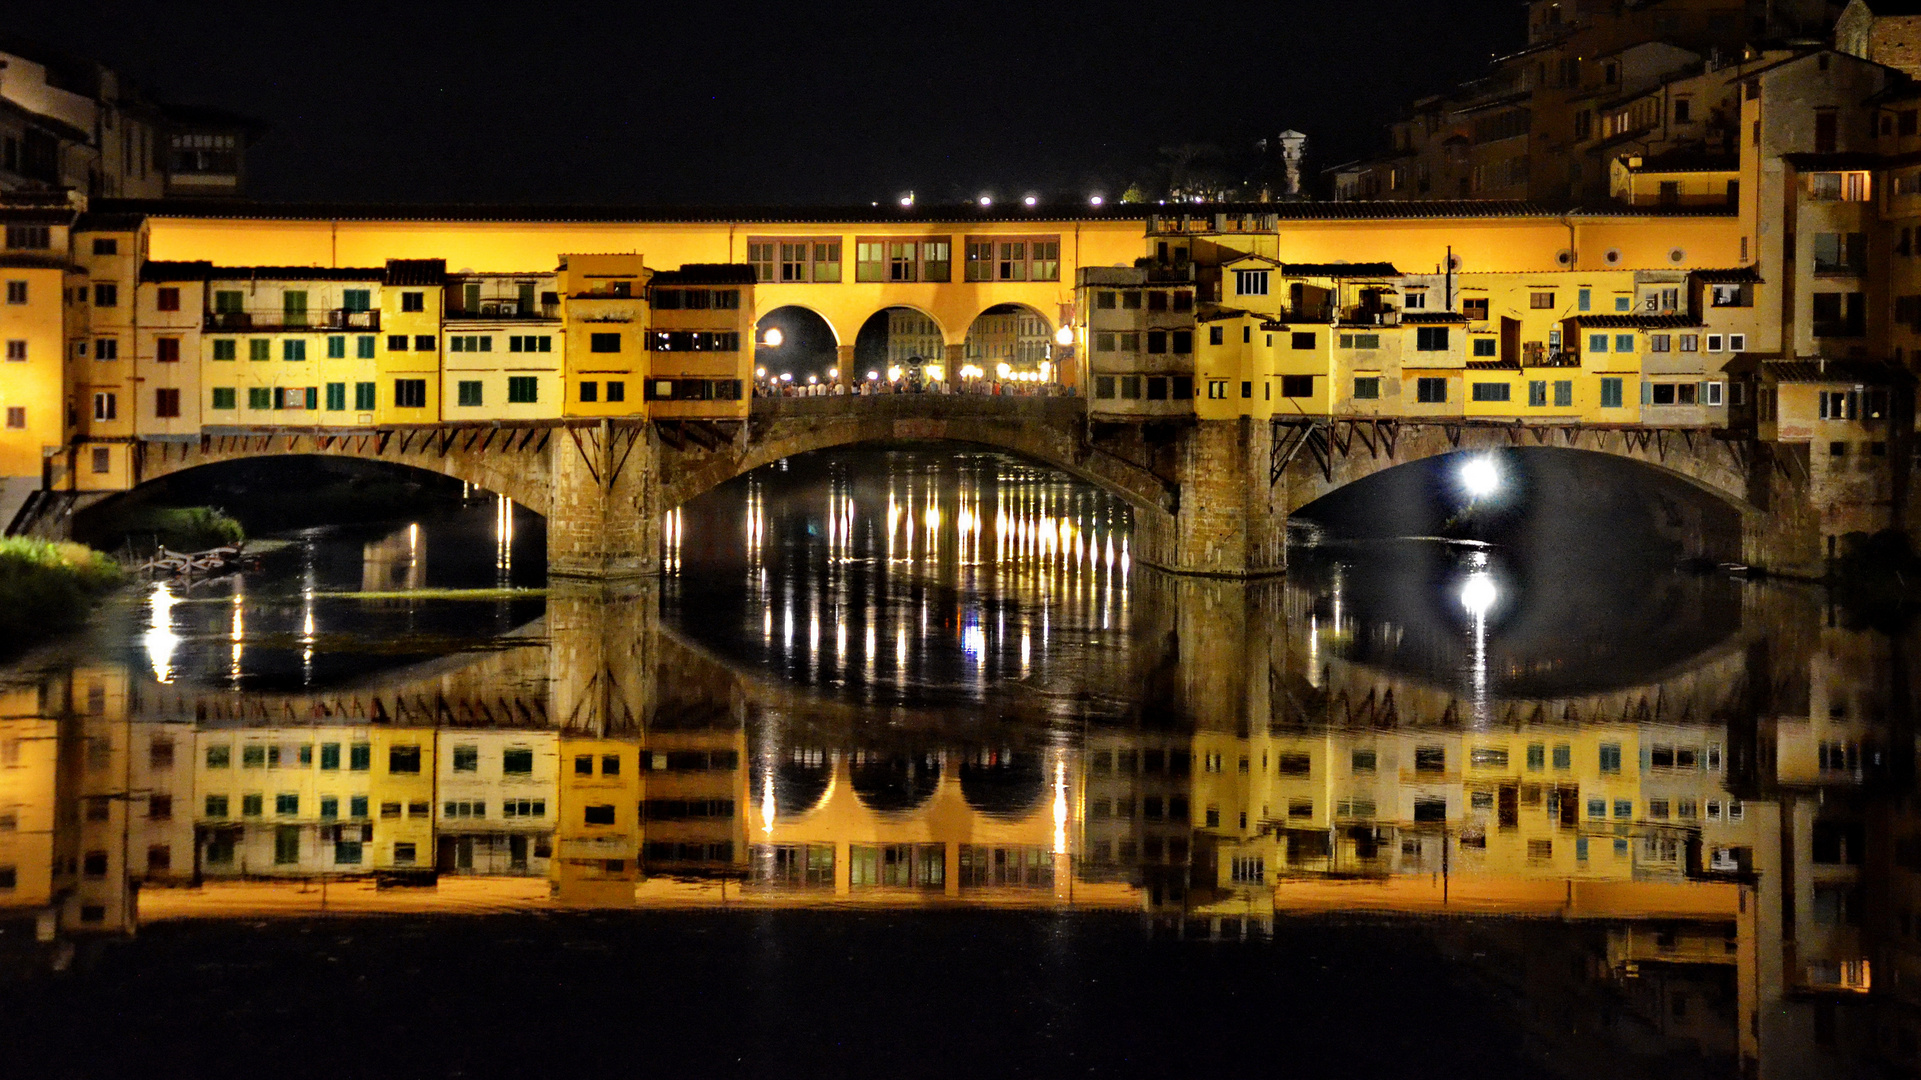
<point>1340,270</point>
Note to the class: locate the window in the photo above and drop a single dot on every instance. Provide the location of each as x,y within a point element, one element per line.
<point>1430,390</point>
<point>1484,346</point>
<point>1181,342</point>
<point>1537,394</point>
<point>105,406</point>
<point>589,391</point>
<point>364,346</point>
<point>413,301</point>
<point>29,237</point>
<point>523,389</point>
<point>360,757</point>
<point>330,755</point>
<point>1297,386</point>
<point>1250,283</point>
<point>106,294</point>
<point>1475,308</point>
<point>1367,387</point>
<point>410,393</point>
<point>1430,339</point>
<point>1610,757</point>
<point>1416,300</point>
<point>251,805</point>
<point>286,805</point>
<point>1486,391</point>
<point>16,417</point>
<point>403,759</point>
<point>1712,394</point>
<point>598,815</point>
<point>259,349</point>
<point>17,292</point>
<point>16,350</point>
<point>336,397</point>
<point>364,394</point>
<point>224,349</point>
<point>1659,342</point>
<point>106,348</point>
<point>293,349</point>
<point>469,392</point>
<point>1624,343</point>
<point>1610,393</point>
<point>1840,253</point>
<point>1302,340</point>
<point>166,404</point>
<point>1217,389</point>
<point>610,764</point>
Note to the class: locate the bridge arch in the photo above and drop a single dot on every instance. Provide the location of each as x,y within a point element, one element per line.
<point>1316,458</point>
<point>1017,335</point>
<point>506,461</point>
<point>1042,429</point>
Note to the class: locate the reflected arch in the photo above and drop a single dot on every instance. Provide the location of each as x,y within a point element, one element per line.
<point>1004,784</point>
<point>894,783</point>
<point>801,779</point>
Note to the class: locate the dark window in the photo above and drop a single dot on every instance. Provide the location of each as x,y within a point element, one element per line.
<point>1303,339</point>
<point>167,300</point>
<point>423,343</point>
<point>166,403</point>
<point>1430,390</point>
<point>403,759</point>
<point>517,762</point>
<point>106,294</point>
<point>396,343</point>
<point>410,393</point>
<point>413,301</point>
<point>1430,339</point>
<point>599,815</point>
<point>604,343</point>
<point>1297,386</point>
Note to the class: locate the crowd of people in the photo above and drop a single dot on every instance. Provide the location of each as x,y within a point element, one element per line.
<point>908,384</point>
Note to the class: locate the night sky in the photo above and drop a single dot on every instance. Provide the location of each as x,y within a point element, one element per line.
<point>653,102</point>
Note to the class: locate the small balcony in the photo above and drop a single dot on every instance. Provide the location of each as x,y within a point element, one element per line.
<point>279,320</point>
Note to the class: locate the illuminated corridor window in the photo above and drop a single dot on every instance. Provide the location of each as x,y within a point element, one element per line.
<point>805,866</point>
<point>1610,393</point>
<point>1013,258</point>
<point>795,259</point>
<point>897,865</point>
<point>985,866</point>
<point>523,389</point>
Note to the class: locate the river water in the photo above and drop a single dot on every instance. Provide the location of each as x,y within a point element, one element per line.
<point>931,687</point>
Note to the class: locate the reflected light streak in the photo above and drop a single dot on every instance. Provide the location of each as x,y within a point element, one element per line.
<point>1060,807</point>
<point>160,639</point>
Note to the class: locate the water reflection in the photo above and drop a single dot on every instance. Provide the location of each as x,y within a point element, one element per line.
<point>1712,826</point>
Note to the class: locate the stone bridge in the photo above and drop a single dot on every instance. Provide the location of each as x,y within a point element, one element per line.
<point>1209,497</point>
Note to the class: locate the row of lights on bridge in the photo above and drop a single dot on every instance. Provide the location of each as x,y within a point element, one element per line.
<point>1030,201</point>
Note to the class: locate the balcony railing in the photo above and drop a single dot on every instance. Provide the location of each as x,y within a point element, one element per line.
<point>273,319</point>
<point>507,309</point>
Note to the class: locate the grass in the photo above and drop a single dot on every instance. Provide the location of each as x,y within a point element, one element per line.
<point>47,588</point>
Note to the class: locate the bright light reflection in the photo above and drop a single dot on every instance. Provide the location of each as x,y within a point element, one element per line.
<point>1481,476</point>
<point>160,638</point>
<point>1478,593</point>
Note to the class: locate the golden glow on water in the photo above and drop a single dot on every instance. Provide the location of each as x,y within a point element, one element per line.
<point>160,639</point>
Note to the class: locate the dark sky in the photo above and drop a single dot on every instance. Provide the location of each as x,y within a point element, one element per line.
<point>648,101</point>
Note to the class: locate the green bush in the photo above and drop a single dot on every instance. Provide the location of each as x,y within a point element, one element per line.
<point>191,528</point>
<point>48,588</point>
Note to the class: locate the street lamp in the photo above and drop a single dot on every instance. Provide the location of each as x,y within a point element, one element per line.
<point>773,337</point>
<point>1064,336</point>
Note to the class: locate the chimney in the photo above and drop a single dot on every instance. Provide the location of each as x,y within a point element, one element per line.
<point>1292,143</point>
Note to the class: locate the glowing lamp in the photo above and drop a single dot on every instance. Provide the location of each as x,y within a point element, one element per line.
<point>873,376</point>
<point>786,376</point>
<point>773,337</point>
<point>1096,201</point>
<point>1064,336</point>
<point>1029,201</point>
<point>833,373</point>
<point>986,200</point>
<point>760,373</point>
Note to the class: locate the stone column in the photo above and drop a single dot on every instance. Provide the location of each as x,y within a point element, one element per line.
<point>956,356</point>
<point>848,377</point>
<point>1231,521</point>
<point>605,519</point>
<point>602,655</point>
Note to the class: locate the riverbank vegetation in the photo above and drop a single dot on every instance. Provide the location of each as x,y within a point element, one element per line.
<point>139,529</point>
<point>48,588</point>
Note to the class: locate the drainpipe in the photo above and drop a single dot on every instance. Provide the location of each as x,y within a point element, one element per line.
<point>1573,257</point>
